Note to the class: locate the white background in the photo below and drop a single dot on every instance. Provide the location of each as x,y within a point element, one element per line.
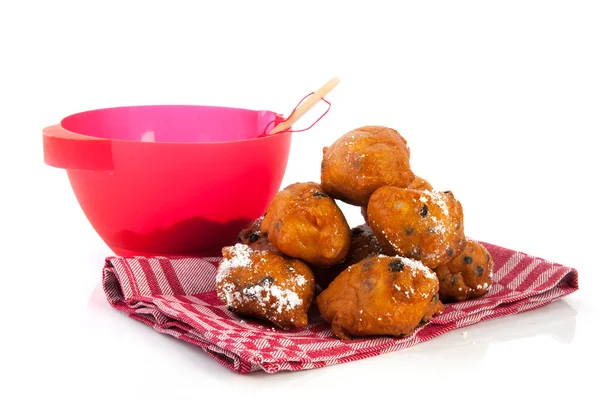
<point>499,102</point>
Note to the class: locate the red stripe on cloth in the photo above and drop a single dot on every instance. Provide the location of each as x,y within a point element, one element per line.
<point>531,277</point>
<point>150,276</point>
<point>244,345</point>
<point>515,271</point>
<point>171,276</point>
<point>554,279</point>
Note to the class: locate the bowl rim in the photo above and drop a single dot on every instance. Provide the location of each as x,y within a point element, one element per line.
<point>263,137</point>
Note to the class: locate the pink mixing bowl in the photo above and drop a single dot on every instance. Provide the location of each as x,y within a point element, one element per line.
<point>169,180</point>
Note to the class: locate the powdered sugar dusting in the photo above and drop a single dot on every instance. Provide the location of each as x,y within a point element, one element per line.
<point>267,293</point>
<point>432,197</point>
<point>437,199</point>
<point>231,296</point>
<point>300,280</point>
<point>240,258</point>
<point>438,226</point>
<point>417,266</point>
<point>280,299</point>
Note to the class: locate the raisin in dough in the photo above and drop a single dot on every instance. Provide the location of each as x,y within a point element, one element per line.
<point>424,225</point>
<point>467,276</point>
<point>380,296</point>
<point>265,284</point>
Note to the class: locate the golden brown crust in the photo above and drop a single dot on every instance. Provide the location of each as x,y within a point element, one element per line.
<point>362,245</point>
<point>417,184</point>
<point>380,296</point>
<point>362,161</point>
<point>266,285</point>
<point>467,276</point>
<point>420,184</point>
<point>424,225</point>
<point>303,222</point>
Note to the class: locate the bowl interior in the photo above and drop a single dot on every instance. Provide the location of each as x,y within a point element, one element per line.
<point>171,123</point>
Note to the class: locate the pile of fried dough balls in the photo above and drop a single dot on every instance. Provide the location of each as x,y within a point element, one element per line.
<point>386,277</point>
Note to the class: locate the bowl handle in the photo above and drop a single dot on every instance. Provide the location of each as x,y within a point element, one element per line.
<point>70,150</point>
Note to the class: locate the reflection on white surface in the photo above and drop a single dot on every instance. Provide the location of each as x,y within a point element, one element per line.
<point>555,322</point>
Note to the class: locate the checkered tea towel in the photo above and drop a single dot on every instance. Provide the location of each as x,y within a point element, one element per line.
<point>176,296</point>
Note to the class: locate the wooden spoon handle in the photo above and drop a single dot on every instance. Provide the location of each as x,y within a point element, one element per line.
<point>306,106</point>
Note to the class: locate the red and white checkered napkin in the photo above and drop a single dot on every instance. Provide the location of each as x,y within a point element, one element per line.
<point>176,296</point>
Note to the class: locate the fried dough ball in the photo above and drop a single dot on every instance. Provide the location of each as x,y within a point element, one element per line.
<point>362,245</point>
<point>363,160</point>
<point>265,284</point>
<point>424,225</point>
<point>304,222</point>
<point>420,184</point>
<point>380,296</point>
<point>253,237</point>
<point>467,276</point>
